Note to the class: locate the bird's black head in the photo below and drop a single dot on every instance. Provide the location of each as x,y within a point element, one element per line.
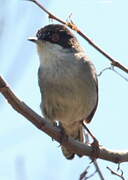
<point>58,34</point>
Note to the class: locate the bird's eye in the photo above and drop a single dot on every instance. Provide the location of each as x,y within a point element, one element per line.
<point>55,37</point>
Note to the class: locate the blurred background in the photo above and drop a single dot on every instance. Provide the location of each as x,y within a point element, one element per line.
<point>26,153</point>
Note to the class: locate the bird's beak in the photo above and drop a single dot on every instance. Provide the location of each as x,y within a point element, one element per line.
<point>33,39</point>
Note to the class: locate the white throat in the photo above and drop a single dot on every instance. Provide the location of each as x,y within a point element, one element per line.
<point>49,53</point>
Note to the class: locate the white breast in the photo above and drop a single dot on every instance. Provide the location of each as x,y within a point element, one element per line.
<point>69,90</point>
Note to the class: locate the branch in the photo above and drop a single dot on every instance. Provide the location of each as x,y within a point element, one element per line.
<point>116,174</point>
<point>98,170</point>
<point>54,132</point>
<point>72,26</point>
<point>84,176</point>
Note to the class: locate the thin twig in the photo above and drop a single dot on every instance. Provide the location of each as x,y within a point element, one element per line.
<point>112,69</point>
<point>91,175</point>
<point>84,176</point>
<point>94,162</point>
<point>75,28</point>
<point>50,15</point>
<point>116,174</point>
<point>98,170</point>
<point>84,173</point>
<point>103,70</point>
<point>119,74</point>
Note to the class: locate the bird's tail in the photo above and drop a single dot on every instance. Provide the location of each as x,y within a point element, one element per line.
<point>78,135</point>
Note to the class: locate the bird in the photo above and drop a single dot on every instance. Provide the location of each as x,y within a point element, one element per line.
<point>67,79</point>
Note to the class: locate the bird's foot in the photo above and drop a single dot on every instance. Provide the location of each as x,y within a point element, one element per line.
<point>95,149</point>
<point>94,144</point>
<point>63,136</point>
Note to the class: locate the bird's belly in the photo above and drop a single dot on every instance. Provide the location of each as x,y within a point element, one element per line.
<point>62,102</point>
<point>68,91</point>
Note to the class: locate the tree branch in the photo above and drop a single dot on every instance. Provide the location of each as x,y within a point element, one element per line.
<point>47,127</point>
<point>116,174</point>
<point>72,26</point>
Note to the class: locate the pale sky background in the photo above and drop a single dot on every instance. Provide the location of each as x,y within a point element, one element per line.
<point>26,153</point>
